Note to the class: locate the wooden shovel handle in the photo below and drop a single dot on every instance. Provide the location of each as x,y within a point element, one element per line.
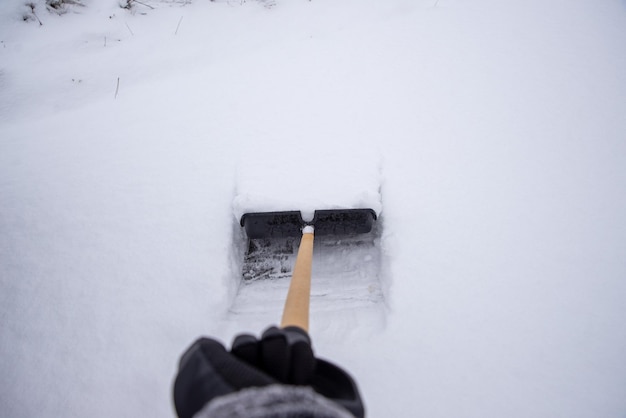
<point>296,312</point>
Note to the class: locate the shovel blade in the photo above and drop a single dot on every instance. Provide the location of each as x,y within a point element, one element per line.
<point>338,222</point>
<point>272,224</point>
<point>343,222</point>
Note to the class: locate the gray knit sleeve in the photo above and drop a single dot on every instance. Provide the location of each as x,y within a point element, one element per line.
<point>275,401</point>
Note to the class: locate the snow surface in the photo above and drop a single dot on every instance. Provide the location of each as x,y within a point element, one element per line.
<point>493,131</point>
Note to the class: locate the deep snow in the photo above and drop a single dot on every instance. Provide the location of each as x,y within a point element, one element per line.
<point>495,131</point>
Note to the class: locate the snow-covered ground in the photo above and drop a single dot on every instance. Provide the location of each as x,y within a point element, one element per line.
<point>494,132</point>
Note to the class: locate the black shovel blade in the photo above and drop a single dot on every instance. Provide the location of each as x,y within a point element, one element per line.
<point>272,224</point>
<point>339,222</point>
<point>343,222</point>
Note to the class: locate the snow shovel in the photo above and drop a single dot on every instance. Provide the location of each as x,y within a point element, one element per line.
<point>288,224</point>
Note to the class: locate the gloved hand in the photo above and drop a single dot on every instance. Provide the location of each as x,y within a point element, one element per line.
<point>282,356</point>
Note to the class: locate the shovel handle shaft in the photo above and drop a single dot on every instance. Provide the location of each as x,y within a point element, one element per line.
<point>296,312</point>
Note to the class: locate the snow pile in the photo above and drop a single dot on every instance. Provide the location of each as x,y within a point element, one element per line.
<point>327,173</point>
<point>489,135</point>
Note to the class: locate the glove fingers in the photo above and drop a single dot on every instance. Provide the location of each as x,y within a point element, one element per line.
<point>275,355</point>
<point>302,363</point>
<point>287,355</point>
<point>246,347</point>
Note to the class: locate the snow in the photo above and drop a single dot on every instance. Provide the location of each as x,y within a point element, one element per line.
<point>328,172</point>
<point>488,135</point>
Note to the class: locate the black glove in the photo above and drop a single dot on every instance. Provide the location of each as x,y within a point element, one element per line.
<point>281,356</point>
